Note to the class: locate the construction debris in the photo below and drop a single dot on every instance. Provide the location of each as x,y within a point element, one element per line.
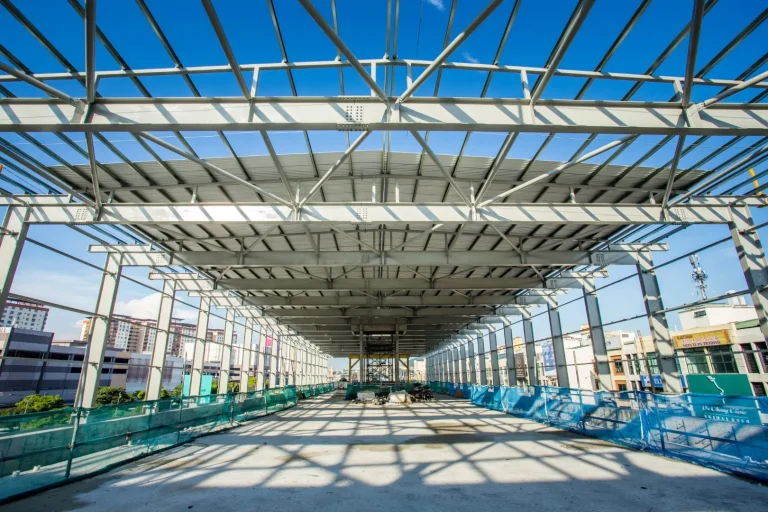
<point>421,393</point>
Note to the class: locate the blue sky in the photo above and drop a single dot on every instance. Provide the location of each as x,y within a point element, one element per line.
<point>421,32</point>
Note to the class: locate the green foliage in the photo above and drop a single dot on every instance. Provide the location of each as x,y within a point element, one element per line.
<point>215,387</point>
<point>139,395</point>
<point>110,395</point>
<point>38,403</point>
<point>251,383</point>
<point>164,394</point>
<point>177,390</point>
<point>233,387</point>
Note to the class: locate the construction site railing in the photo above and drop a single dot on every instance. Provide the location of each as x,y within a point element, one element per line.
<point>44,449</point>
<point>728,433</point>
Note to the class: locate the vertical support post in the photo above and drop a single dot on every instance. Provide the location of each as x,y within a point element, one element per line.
<point>273,379</point>
<point>260,359</point>
<point>246,360</point>
<point>495,380</point>
<point>198,355</point>
<point>11,243</point>
<point>657,320</point>
<point>105,305</point>
<point>361,361</point>
<point>472,362</point>
<point>530,349</point>
<point>510,351</point>
<point>556,329</point>
<point>481,350</point>
<point>456,365</point>
<point>752,259</point>
<point>397,354</point>
<point>463,360</point>
<point>597,335</point>
<point>162,336</point>
<point>225,365</point>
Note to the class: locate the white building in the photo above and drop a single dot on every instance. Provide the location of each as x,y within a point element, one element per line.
<point>24,315</point>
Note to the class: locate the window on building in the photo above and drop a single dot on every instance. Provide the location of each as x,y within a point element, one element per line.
<point>749,358</point>
<point>653,363</point>
<point>696,360</point>
<point>618,365</point>
<point>699,314</point>
<point>763,354</point>
<point>722,360</point>
<point>631,364</point>
<point>758,389</point>
<point>622,387</point>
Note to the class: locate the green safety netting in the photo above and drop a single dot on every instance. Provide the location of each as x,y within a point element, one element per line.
<point>42,449</point>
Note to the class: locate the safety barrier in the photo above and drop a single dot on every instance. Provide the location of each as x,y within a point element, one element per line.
<point>40,450</point>
<point>728,433</point>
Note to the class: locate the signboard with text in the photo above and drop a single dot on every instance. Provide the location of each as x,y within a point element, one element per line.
<point>702,339</point>
<point>548,355</point>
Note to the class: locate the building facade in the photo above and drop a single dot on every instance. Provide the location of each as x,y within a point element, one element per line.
<point>33,363</point>
<point>24,315</point>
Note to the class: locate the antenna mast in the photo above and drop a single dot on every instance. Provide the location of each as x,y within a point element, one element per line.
<point>699,276</point>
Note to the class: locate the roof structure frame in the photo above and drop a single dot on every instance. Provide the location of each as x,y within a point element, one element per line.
<point>231,214</point>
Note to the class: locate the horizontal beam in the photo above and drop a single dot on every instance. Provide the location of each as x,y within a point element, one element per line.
<point>394,312</point>
<point>222,299</point>
<point>352,284</point>
<point>436,114</point>
<point>416,63</point>
<point>57,210</point>
<point>144,256</point>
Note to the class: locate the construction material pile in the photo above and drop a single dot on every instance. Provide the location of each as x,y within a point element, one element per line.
<point>420,393</point>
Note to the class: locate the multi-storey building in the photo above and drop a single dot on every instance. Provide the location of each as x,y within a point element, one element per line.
<point>138,334</point>
<point>24,315</point>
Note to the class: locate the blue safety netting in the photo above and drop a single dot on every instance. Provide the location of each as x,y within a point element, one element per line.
<point>729,433</point>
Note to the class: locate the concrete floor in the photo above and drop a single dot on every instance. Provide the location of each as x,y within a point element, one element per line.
<point>328,454</point>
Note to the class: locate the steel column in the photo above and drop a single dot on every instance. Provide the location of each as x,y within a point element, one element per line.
<point>530,349</point>
<point>510,351</point>
<point>246,359</point>
<point>657,320</point>
<point>198,354</point>
<point>597,336</point>
<point>260,359</point>
<point>463,360</point>
<point>225,365</point>
<point>556,330</point>
<point>753,263</point>
<point>12,239</point>
<point>273,378</point>
<point>100,324</point>
<point>162,337</point>
<point>481,351</point>
<point>495,379</point>
<point>472,362</point>
<point>397,354</point>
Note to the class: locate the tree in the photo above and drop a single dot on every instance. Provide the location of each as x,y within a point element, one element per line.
<point>215,387</point>
<point>109,395</point>
<point>178,390</point>
<point>164,394</point>
<point>139,395</point>
<point>38,403</point>
<point>233,387</point>
<point>251,383</point>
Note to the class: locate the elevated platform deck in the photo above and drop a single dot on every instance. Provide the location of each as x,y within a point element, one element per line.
<point>328,454</point>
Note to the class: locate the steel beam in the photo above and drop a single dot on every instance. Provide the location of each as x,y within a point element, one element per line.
<point>432,114</point>
<point>226,299</point>
<point>612,255</point>
<point>58,210</point>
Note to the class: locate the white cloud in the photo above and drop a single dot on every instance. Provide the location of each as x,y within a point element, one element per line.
<point>437,4</point>
<point>149,306</point>
<point>469,58</point>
